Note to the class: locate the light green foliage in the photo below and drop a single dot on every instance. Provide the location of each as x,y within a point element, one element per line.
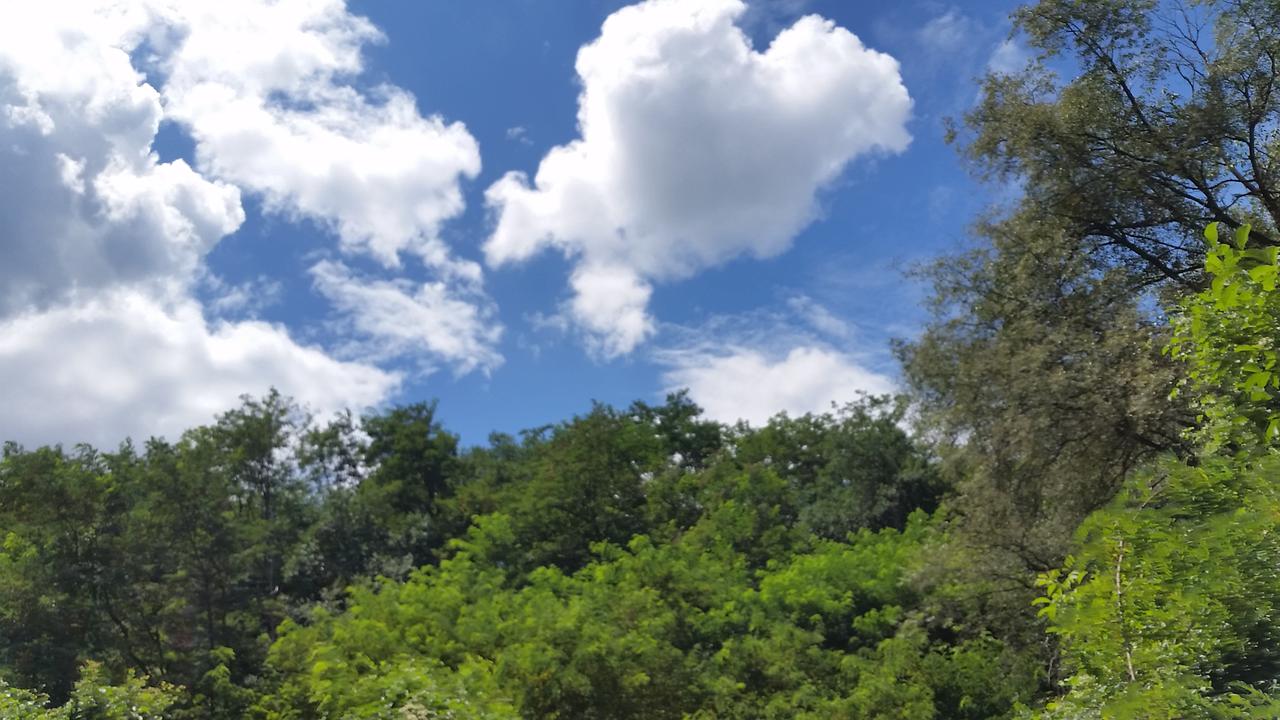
<point>93,698</point>
<point>398,688</point>
<point>1227,334</point>
<point>1168,607</point>
<point>662,630</point>
<point>19,704</point>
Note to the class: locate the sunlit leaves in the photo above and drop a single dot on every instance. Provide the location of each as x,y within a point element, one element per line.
<point>1227,336</point>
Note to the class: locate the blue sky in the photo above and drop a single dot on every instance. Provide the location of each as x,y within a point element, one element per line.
<point>221,207</point>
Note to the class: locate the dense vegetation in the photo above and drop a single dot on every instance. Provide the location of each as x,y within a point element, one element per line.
<point>1082,521</point>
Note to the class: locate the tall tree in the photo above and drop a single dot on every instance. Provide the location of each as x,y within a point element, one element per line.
<point>1136,123</point>
<point>1166,123</point>
<point>1167,606</point>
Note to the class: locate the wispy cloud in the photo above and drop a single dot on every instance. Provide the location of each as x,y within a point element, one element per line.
<point>751,366</point>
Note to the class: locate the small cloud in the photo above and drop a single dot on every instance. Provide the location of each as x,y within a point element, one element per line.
<point>755,365</point>
<point>820,318</point>
<point>428,322</point>
<point>245,299</point>
<point>556,322</point>
<point>1009,57</point>
<point>519,134</point>
<point>950,32</point>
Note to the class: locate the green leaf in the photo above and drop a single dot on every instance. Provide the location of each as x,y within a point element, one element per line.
<point>1242,235</point>
<point>1264,275</point>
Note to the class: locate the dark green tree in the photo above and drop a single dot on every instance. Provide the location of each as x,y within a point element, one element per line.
<point>852,468</point>
<point>1136,123</point>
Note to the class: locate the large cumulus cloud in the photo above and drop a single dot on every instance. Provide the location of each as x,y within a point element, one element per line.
<point>695,148</point>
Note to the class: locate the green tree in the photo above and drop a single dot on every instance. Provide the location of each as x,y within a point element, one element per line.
<point>1167,609</point>
<point>1138,123</point>
<point>384,486</point>
<point>1135,123</point>
<point>412,459</point>
<point>852,468</point>
<point>1227,335</point>
<point>53,511</point>
<point>741,614</point>
<point>576,484</point>
<point>688,439</point>
<point>93,698</point>
<point>644,563</point>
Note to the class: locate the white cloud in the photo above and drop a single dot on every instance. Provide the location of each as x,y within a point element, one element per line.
<point>951,32</point>
<point>820,318</point>
<point>262,88</point>
<point>104,245</point>
<point>1009,57</point>
<point>609,303</point>
<point>520,134</point>
<point>247,298</point>
<point>396,318</point>
<point>695,149</point>
<point>86,203</point>
<point>797,358</point>
<point>747,384</point>
<point>126,364</point>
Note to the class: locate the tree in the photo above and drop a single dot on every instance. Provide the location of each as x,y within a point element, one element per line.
<point>1042,382</point>
<point>1227,335</point>
<point>572,485</point>
<point>411,456</point>
<point>251,441</point>
<point>852,468</point>
<point>57,515</point>
<point>644,563</point>
<point>1168,122</point>
<point>1041,377</point>
<point>1167,607</point>
<point>93,698</point>
<point>688,439</point>
<point>691,626</point>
